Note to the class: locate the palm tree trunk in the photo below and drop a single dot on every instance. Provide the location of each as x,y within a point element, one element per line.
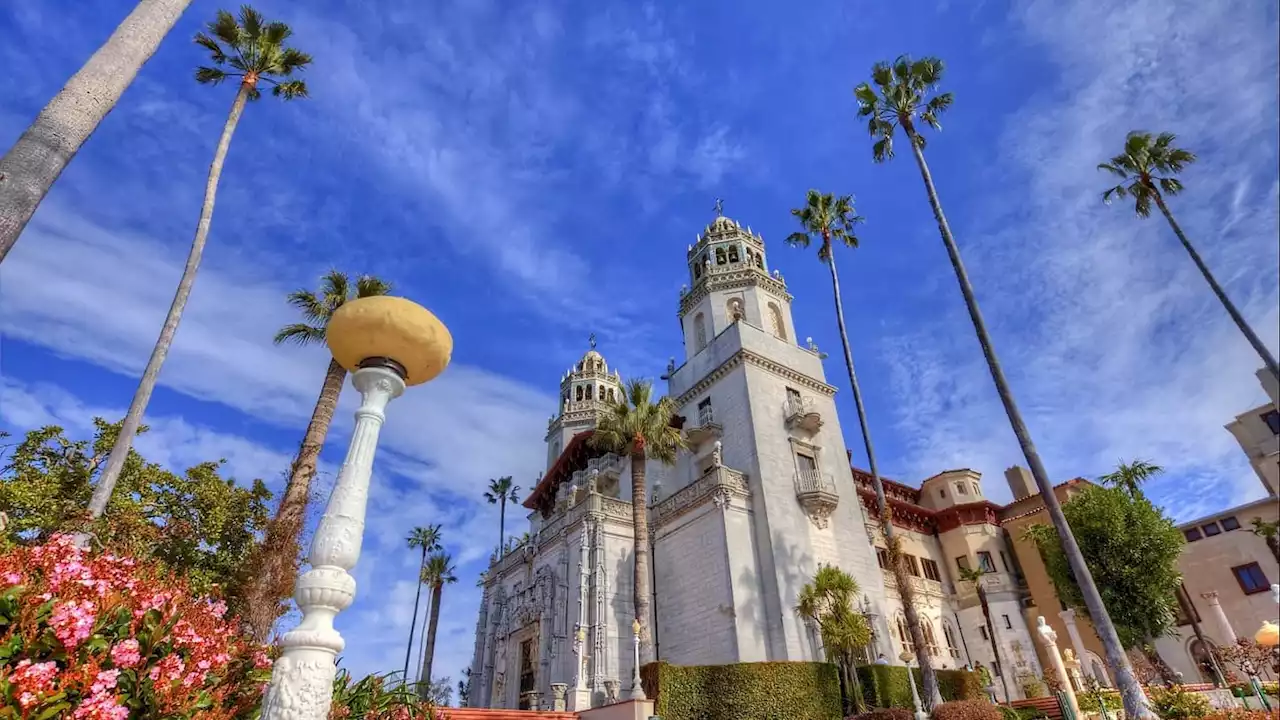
<point>33,164</point>
<point>422,648</point>
<point>437,590</point>
<point>408,651</point>
<point>275,567</point>
<point>995,644</point>
<point>120,451</point>
<point>640,523</point>
<point>932,695</point>
<point>502,524</point>
<point>1240,322</point>
<point>1135,701</point>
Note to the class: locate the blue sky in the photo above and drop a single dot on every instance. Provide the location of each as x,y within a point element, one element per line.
<point>533,173</point>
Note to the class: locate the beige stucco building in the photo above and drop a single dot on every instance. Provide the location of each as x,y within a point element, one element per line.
<point>1258,432</point>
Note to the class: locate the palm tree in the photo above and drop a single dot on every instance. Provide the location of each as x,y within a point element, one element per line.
<point>827,217</point>
<point>31,167</point>
<point>428,539</point>
<point>1270,534</point>
<point>273,569</point>
<point>255,51</point>
<point>1129,477</point>
<point>904,93</point>
<point>1148,169</point>
<point>500,492</point>
<point>438,572</point>
<point>975,576</point>
<point>828,603</point>
<point>639,427</point>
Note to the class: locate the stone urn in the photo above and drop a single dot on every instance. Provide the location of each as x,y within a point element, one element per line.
<point>611,688</point>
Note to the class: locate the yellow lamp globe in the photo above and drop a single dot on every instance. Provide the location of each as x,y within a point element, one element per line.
<point>393,328</point>
<point>1268,635</point>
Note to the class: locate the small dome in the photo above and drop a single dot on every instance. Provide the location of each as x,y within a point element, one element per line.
<point>723,224</point>
<point>592,355</point>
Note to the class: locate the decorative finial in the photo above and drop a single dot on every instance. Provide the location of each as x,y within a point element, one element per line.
<point>592,341</point>
<point>719,207</point>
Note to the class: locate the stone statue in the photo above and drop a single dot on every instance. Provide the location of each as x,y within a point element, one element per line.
<point>611,688</point>
<point>1046,633</point>
<point>715,454</point>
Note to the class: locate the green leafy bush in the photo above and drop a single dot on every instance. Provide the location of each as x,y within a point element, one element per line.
<point>1178,704</point>
<point>887,686</point>
<point>744,691</point>
<point>884,714</point>
<point>1022,713</point>
<point>1088,701</point>
<point>967,710</point>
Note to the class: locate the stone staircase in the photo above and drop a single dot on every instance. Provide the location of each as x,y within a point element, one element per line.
<point>487,714</point>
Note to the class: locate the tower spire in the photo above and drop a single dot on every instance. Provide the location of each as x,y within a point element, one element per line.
<point>592,341</point>
<point>719,207</point>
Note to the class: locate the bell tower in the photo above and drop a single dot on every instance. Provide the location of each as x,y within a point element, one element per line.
<point>586,390</point>
<point>730,281</point>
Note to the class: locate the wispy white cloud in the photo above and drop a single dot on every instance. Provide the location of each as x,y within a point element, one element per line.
<point>1114,345</point>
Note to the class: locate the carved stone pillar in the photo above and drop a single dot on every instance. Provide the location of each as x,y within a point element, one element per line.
<point>302,680</point>
<point>1224,630</point>
<point>1073,631</point>
<point>557,696</point>
<point>1050,640</point>
<point>600,628</point>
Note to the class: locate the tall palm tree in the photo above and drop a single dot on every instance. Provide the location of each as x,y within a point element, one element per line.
<point>255,52</point>
<point>828,603</point>
<point>638,426</point>
<point>827,218</point>
<point>1131,476</point>
<point>274,569</point>
<point>428,539</point>
<point>500,492</point>
<point>1147,169</point>
<point>975,576</point>
<point>904,93</point>
<point>31,167</point>
<point>438,572</point>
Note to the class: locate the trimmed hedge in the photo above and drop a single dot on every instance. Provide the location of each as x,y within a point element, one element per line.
<point>887,686</point>
<point>744,691</point>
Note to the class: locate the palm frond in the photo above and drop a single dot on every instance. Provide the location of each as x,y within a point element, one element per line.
<point>291,60</point>
<point>310,306</point>
<point>797,239</point>
<point>1170,186</point>
<point>251,22</point>
<point>210,76</point>
<point>1114,168</point>
<point>299,334</point>
<point>216,53</point>
<point>335,289</point>
<point>370,286</point>
<point>225,28</point>
<point>1142,201</point>
<point>291,90</point>
<point>276,33</point>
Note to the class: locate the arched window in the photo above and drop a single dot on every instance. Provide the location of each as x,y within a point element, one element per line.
<point>733,254</point>
<point>949,634</point>
<point>760,261</point>
<point>700,331</point>
<point>719,256</point>
<point>1204,663</point>
<point>751,257</point>
<point>776,324</point>
<point>697,271</point>
<point>1099,671</point>
<point>930,640</point>
<point>904,634</point>
<point>610,394</point>
<point>579,394</point>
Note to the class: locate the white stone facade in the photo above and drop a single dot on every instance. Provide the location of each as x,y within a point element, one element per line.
<point>762,498</point>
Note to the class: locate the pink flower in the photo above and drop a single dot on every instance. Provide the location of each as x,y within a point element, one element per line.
<point>168,669</point>
<point>100,706</point>
<point>11,578</point>
<point>261,661</point>
<point>125,654</point>
<point>73,622</point>
<point>33,680</point>
<point>105,681</point>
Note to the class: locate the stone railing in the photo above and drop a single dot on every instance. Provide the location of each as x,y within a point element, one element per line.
<point>921,586</point>
<point>800,412</point>
<point>816,492</point>
<point>719,483</point>
<point>593,504</point>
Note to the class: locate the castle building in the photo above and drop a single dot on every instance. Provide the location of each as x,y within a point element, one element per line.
<point>763,496</point>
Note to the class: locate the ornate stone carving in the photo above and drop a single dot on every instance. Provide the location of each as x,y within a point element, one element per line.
<point>300,689</point>
<point>731,483</point>
<point>611,687</point>
<point>816,493</point>
<point>746,356</point>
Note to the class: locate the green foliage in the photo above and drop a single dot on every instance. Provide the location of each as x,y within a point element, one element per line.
<point>376,697</point>
<point>828,603</point>
<point>1178,704</point>
<point>318,308</point>
<point>829,218</point>
<point>903,93</point>
<point>1146,168</point>
<point>967,710</point>
<point>1089,701</point>
<point>1132,550</point>
<point>744,691</point>
<point>502,490</point>
<point>887,685</point>
<point>639,425</point>
<point>199,524</point>
<point>885,714</point>
<point>254,51</point>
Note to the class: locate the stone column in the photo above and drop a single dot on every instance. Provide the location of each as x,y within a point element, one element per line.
<point>1224,629</point>
<point>1077,644</point>
<point>302,681</point>
<point>1050,640</point>
<point>581,696</point>
<point>557,696</point>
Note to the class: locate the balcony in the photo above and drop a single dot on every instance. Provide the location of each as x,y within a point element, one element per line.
<point>919,585</point>
<point>706,430</point>
<point>801,414</point>
<point>817,495</point>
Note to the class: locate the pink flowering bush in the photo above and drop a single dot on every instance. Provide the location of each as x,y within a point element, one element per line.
<point>96,636</point>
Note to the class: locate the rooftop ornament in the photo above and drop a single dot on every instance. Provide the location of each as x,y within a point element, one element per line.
<point>386,343</point>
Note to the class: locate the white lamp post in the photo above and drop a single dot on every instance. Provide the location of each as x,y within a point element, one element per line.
<point>905,657</point>
<point>637,687</point>
<point>386,343</point>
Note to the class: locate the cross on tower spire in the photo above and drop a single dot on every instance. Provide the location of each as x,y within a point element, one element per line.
<point>719,207</point>
<point>592,341</point>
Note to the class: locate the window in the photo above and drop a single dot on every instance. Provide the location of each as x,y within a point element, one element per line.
<point>1008,624</point>
<point>904,635</point>
<point>793,401</point>
<point>1230,523</point>
<point>1251,578</point>
<point>1211,529</point>
<point>719,256</point>
<point>733,253</point>
<point>962,562</point>
<point>985,562</point>
<point>982,630</point>
<point>913,565</point>
<point>705,416</point>
<point>579,394</point>
<point>942,493</point>
<point>977,490</point>
<point>960,489</point>
<point>930,640</point>
<point>1004,560</point>
<point>1191,534</point>
<point>1272,419</point>
<point>931,570</point>
<point>806,463</point>
<point>700,331</point>
<point>950,636</point>
<point>882,558</point>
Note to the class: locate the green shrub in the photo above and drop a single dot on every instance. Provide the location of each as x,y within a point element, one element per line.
<point>1178,704</point>
<point>884,714</point>
<point>967,710</point>
<point>1088,701</point>
<point>886,685</point>
<point>744,691</point>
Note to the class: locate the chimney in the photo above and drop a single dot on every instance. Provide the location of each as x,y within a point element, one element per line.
<point>1021,484</point>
